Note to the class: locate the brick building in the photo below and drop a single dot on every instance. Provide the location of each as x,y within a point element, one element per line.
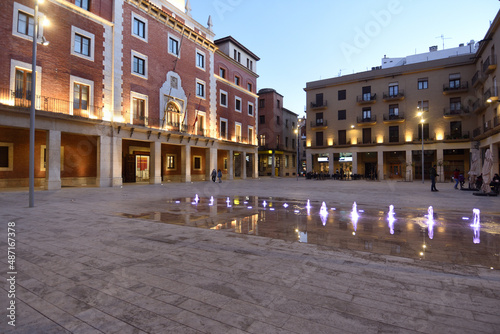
<point>277,136</point>
<point>367,122</point>
<point>126,91</point>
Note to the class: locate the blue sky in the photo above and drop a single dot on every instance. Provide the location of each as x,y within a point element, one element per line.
<point>302,41</point>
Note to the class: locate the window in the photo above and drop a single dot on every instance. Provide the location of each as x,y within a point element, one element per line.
<point>286,142</point>
<point>262,140</point>
<point>393,111</point>
<point>319,100</point>
<point>455,81</point>
<point>139,27</point>
<point>23,85</point>
<point>394,134</point>
<point>426,131</point>
<point>293,143</point>
<point>200,89</point>
<point>262,119</point>
<point>223,98</point>
<point>173,46</point>
<point>342,137</point>
<point>200,60</point>
<point>393,89</point>
<point>201,122</point>
<point>367,95</point>
<point>170,161</point>
<point>223,128</point>
<point>222,72</point>
<point>25,24</point>
<point>367,114</point>
<point>319,138</point>
<point>278,103</point>
<point>82,91</point>
<point>250,109</point>
<point>425,106</point>
<point>138,65</point>
<point>286,160</point>
<point>342,115</point>
<point>455,105</point>
<point>423,83</point>
<point>249,87</point>
<point>237,104</point>
<point>138,109</point>
<point>262,103</point>
<point>367,136</point>
<point>80,97</point>
<point>319,118</point>
<point>237,131</point>
<point>278,120</point>
<point>250,135</point>
<point>84,4</point>
<point>456,129</point>
<point>82,43</point>
<point>237,56</point>
<point>197,162</point>
<point>249,64</point>
<point>342,94</point>
<point>172,113</point>
<point>6,157</point>
<point>237,80</point>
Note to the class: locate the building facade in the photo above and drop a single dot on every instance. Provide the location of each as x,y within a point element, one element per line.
<point>369,123</point>
<point>126,91</point>
<point>278,136</point>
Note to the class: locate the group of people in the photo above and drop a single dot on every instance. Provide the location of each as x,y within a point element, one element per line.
<point>478,182</point>
<point>216,175</point>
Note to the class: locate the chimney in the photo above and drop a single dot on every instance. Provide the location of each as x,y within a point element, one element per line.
<point>433,48</point>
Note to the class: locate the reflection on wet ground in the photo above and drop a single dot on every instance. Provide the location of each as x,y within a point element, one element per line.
<point>447,237</point>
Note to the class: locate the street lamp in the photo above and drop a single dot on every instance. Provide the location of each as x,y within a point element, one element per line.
<point>421,115</point>
<point>298,155</point>
<point>32,107</point>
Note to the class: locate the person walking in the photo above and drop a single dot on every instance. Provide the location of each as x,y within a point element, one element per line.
<point>433,174</point>
<point>456,176</point>
<point>214,175</point>
<point>219,175</point>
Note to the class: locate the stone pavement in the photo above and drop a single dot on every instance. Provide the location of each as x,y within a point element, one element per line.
<point>83,268</point>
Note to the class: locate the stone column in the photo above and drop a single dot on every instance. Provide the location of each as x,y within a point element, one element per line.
<point>440,165</point>
<point>155,162</point>
<point>243,165</point>
<point>355,162</point>
<point>331,163</point>
<point>53,160</point>
<point>380,165</point>
<point>409,167</point>
<point>308,162</point>
<point>211,162</point>
<point>494,150</point>
<point>273,165</point>
<point>186,163</point>
<point>116,161</point>
<point>104,162</point>
<point>230,164</point>
<point>255,172</point>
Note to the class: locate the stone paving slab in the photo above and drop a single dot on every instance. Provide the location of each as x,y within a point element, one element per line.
<point>83,267</point>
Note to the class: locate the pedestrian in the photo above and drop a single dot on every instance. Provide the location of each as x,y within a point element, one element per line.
<point>219,175</point>
<point>456,176</point>
<point>433,174</point>
<point>341,173</point>
<point>214,175</point>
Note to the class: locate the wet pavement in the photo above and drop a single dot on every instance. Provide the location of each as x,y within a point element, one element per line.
<point>135,260</point>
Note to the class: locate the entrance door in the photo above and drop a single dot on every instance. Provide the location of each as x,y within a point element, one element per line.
<point>371,171</point>
<point>395,171</point>
<point>129,168</point>
<point>142,167</point>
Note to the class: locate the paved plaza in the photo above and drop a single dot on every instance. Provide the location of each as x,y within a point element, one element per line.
<point>82,267</point>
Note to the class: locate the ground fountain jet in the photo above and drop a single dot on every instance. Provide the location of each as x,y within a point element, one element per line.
<point>264,204</point>
<point>391,219</point>
<point>196,199</point>
<point>228,201</point>
<point>308,207</point>
<point>430,221</point>
<point>476,225</point>
<point>323,213</point>
<point>354,216</point>
<point>211,201</point>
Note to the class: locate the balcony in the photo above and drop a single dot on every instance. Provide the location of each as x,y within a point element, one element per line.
<point>478,106</point>
<point>462,88</point>
<point>366,99</point>
<point>478,79</point>
<point>362,121</point>
<point>319,123</point>
<point>50,104</point>
<point>367,141</point>
<point>453,112</point>
<point>476,132</point>
<point>496,121</point>
<point>464,135</point>
<point>319,105</point>
<point>386,97</point>
<point>393,118</point>
<point>487,126</point>
<point>490,64</point>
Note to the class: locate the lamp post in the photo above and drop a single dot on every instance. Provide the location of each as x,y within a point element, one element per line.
<point>32,114</point>
<point>298,155</point>
<point>32,107</point>
<point>421,114</point>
